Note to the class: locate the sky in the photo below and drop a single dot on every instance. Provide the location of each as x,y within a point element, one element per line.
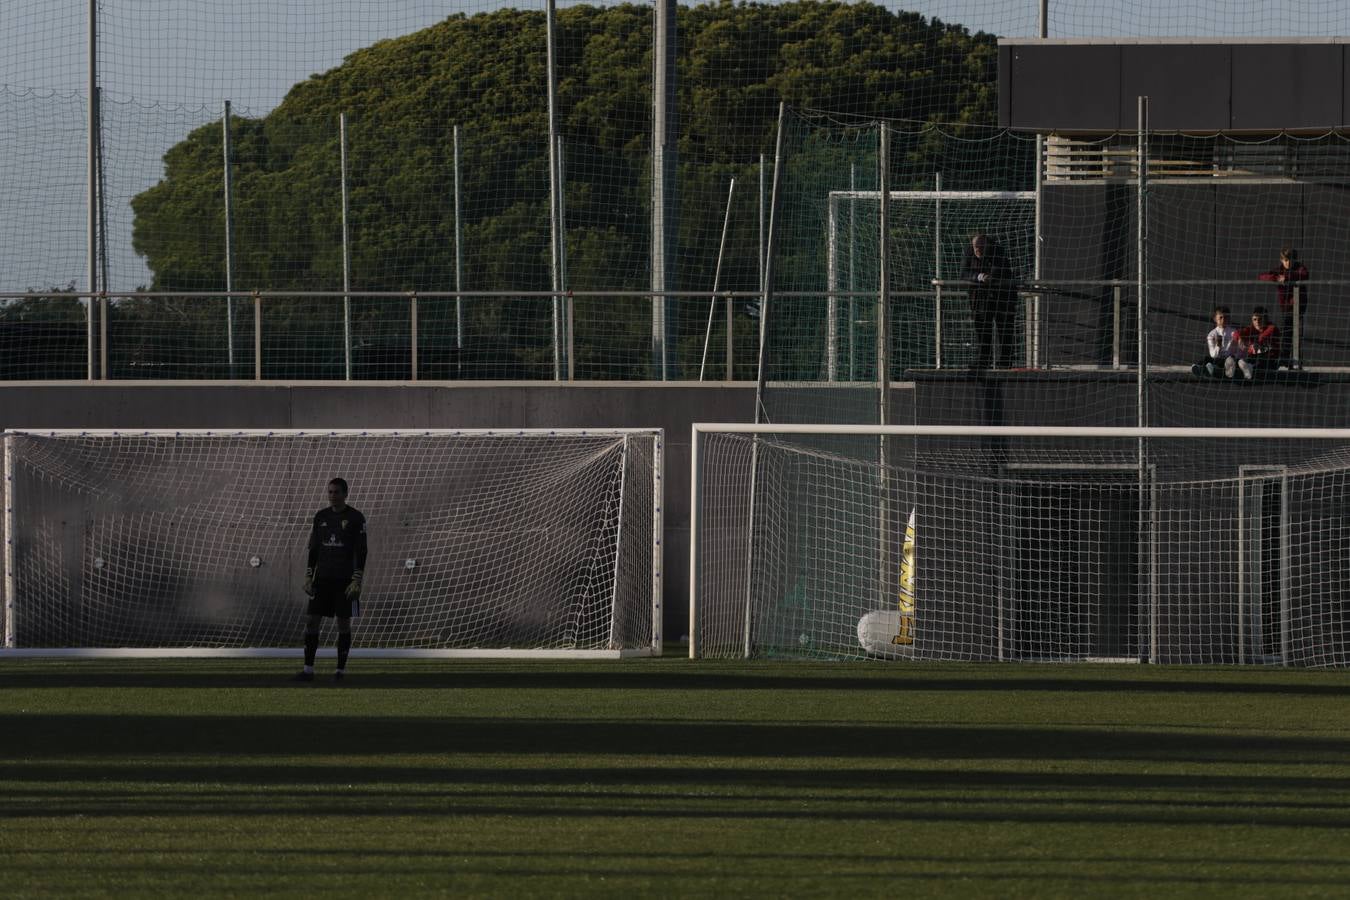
<point>166,67</point>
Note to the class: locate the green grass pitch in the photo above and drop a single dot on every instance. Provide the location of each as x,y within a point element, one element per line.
<point>671,777</point>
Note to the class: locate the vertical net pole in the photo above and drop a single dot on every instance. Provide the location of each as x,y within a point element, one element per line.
<point>257,336</point>
<point>1148,608</point>
<point>695,520</point>
<point>937,225</point>
<point>852,268</point>
<point>1034,321</point>
<point>884,281</point>
<point>90,199</point>
<point>717,278</point>
<point>1285,586</point>
<point>459,267</point>
<point>937,274</point>
<point>1298,327</point>
<point>102,232</point>
<point>346,252</point>
<point>553,188</point>
<point>1242,554</point>
<point>1153,575</point>
<point>766,295</point>
<point>1141,274</point>
<point>766,287</point>
<point>9,542</point>
<point>1034,325</point>
<point>1005,499</point>
<point>564,295</point>
<point>618,546</point>
<point>759,207</point>
<point>937,270</point>
<point>664,158</point>
<point>412,333</point>
<point>228,189</point>
<point>883,362</point>
<point>832,288</point>
<point>658,538</point>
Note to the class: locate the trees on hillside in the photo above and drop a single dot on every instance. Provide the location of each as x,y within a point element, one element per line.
<point>486,74</point>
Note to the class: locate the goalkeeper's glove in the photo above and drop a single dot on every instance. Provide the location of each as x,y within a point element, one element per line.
<point>309,582</point>
<point>354,589</point>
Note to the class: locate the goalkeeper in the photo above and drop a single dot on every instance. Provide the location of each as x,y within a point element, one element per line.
<point>336,564</point>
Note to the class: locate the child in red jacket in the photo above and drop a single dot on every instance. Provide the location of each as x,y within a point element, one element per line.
<point>1261,342</point>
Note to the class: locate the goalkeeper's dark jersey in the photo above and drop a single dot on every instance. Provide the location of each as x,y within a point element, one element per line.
<point>337,543</point>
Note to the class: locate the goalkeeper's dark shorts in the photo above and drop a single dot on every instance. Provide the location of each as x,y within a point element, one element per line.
<point>330,599</point>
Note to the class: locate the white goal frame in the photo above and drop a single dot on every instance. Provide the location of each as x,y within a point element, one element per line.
<point>653,648</point>
<point>701,429</point>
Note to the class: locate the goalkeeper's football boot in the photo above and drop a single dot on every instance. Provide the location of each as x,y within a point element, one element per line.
<point>302,675</point>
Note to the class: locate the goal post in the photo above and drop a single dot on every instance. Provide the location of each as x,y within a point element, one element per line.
<point>483,542</point>
<point>1021,544</point>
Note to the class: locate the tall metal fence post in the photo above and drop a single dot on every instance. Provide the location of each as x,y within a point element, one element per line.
<point>228,189</point>
<point>459,269</point>
<point>712,301</point>
<point>565,300</point>
<point>1116,322</point>
<point>937,271</point>
<point>412,321</point>
<point>1297,313</point>
<point>1148,608</point>
<point>102,243</point>
<point>346,253</point>
<point>664,153</point>
<point>851,305</point>
<point>554,189</point>
<point>883,366</point>
<point>257,336</point>
<point>91,306</point>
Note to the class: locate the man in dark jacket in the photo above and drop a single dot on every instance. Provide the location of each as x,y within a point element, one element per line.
<point>993,301</point>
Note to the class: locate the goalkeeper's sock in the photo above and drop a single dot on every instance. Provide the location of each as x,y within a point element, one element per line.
<point>311,649</point>
<point>344,646</point>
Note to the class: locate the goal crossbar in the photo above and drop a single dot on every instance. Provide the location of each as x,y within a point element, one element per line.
<point>1041,431</point>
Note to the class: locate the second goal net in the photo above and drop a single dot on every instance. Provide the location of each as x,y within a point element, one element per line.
<point>1167,545</point>
<point>480,542</point>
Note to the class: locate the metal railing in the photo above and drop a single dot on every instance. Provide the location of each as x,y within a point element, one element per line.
<point>101,345</point>
<point>411,336</point>
<point>1037,313</point>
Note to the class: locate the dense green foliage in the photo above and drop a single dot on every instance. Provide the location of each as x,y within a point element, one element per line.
<point>485,73</point>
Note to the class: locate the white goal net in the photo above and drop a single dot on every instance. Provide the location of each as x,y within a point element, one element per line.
<point>480,542</point>
<point>1166,545</point>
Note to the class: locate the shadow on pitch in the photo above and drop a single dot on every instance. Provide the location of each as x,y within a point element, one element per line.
<point>683,675</point>
<point>439,732</point>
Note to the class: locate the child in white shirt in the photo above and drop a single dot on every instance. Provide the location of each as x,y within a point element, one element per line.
<point>1224,347</point>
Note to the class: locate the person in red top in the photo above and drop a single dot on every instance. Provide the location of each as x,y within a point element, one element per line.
<point>1286,275</point>
<point>1261,342</point>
